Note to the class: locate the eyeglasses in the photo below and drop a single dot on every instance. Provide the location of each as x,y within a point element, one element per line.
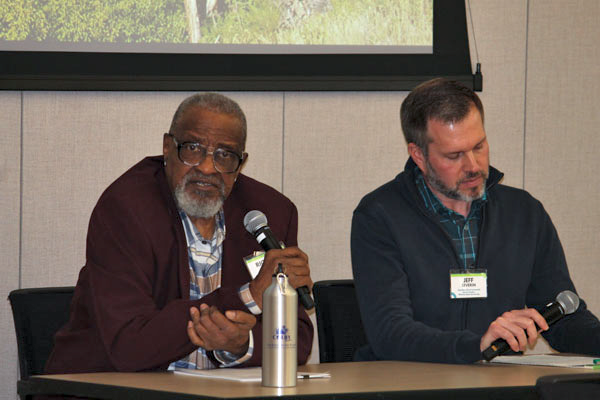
<point>194,153</point>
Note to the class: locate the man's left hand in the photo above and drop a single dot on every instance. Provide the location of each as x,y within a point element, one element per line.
<point>212,330</point>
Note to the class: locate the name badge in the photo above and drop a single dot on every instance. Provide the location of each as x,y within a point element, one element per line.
<point>254,262</point>
<point>468,284</point>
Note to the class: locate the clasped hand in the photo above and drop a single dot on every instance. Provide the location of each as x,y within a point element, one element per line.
<point>213,330</point>
<point>517,327</point>
<point>295,265</point>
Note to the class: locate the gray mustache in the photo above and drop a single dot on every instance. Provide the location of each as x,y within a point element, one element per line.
<point>204,179</point>
<point>471,175</point>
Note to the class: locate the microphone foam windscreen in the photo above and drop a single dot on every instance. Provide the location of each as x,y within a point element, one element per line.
<point>254,220</point>
<point>568,300</point>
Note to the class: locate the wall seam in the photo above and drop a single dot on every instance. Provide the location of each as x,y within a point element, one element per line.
<point>283,143</point>
<point>21,148</point>
<point>525,92</point>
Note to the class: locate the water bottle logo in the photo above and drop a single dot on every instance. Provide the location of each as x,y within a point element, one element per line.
<point>282,334</point>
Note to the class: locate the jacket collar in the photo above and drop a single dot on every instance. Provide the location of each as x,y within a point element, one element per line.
<point>495,176</point>
<point>407,179</point>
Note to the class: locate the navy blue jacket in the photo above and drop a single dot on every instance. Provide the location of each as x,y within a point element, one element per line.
<point>401,257</point>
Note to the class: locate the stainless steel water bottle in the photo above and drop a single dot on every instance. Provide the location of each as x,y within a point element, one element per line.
<point>280,333</point>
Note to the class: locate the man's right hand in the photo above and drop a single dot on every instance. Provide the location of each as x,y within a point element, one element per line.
<point>212,330</point>
<point>517,327</point>
<point>295,266</point>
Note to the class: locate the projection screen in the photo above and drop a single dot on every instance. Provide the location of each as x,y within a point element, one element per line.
<point>231,44</point>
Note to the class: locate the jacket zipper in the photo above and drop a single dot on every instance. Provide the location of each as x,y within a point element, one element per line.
<point>465,308</point>
<point>477,258</point>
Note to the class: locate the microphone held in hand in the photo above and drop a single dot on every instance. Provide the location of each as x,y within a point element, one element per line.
<point>255,222</point>
<point>566,303</point>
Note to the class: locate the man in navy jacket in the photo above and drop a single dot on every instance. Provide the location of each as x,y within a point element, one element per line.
<point>446,259</point>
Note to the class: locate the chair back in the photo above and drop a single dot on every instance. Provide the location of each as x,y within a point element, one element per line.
<point>38,313</point>
<point>339,327</point>
<point>570,386</point>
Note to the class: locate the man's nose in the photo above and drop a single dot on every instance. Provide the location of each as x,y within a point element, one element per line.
<point>470,162</point>
<point>207,166</point>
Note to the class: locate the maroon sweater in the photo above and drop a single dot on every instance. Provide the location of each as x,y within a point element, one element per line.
<point>131,303</point>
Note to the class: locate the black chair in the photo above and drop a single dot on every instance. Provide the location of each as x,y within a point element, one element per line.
<point>38,314</point>
<point>571,386</point>
<point>339,327</point>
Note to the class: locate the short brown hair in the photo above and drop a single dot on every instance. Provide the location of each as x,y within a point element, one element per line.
<point>440,99</point>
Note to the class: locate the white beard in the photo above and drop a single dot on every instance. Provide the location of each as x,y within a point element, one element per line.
<point>206,207</point>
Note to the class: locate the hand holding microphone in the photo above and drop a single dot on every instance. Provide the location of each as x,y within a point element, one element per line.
<point>294,259</point>
<point>518,323</point>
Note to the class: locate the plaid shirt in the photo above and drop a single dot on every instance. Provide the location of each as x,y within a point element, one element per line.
<point>205,277</point>
<point>464,232</point>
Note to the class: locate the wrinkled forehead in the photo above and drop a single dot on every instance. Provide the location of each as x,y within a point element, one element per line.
<point>201,124</point>
<point>464,132</point>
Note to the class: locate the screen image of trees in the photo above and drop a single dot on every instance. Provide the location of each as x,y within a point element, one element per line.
<point>287,22</point>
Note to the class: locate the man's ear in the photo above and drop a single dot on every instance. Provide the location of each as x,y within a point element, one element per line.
<point>166,141</point>
<point>239,171</point>
<point>243,162</point>
<point>418,156</point>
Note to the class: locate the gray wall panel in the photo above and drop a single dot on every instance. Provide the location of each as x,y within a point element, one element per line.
<point>562,143</point>
<point>500,32</point>
<point>338,147</point>
<point>10,187</point>
<point>264,112</point>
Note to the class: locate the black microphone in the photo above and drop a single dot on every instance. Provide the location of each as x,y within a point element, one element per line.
<point>255,222</point>
<point>566,303</point>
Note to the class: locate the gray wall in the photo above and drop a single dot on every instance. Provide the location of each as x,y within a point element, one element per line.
<point>59,150</point>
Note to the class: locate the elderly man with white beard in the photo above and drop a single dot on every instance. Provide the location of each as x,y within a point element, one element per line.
<point>165,284</point>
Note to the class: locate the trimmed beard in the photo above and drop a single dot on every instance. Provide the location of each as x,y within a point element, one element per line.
<point>205,207</point>
<point>454,193</point>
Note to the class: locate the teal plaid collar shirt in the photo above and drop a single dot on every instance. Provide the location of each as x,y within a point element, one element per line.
<point>464,232</point>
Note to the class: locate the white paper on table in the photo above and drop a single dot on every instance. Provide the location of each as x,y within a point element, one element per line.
<point>549,360</point>
<point>253,374</point>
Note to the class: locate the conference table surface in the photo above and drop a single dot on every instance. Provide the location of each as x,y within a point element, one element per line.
<point>353,380</point>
